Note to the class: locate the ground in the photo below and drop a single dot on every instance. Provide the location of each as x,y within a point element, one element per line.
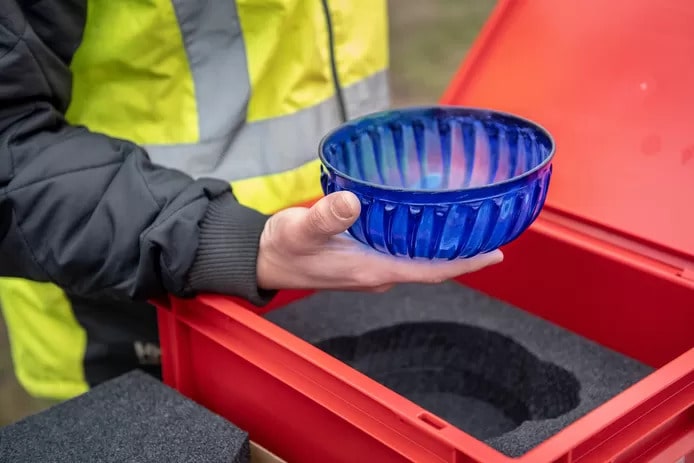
<point>429,39</point>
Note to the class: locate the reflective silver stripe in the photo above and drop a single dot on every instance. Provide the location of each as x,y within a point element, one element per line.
<point>272,145</point>
<point>217,57</point>
<point>230,148</point>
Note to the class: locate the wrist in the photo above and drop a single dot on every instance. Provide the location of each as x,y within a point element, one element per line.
<point>226,261</point>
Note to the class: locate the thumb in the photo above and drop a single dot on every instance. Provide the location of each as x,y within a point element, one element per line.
<point>331,215</point>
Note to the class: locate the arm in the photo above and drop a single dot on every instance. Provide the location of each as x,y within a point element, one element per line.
<point>92,213</point>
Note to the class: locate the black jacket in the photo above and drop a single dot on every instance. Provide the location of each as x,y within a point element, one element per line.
<point>89,212</point>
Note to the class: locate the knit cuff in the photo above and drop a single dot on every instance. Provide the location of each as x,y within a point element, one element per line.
<point>227,254</point>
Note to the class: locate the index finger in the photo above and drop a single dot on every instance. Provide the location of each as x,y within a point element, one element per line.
<point>426,271</point>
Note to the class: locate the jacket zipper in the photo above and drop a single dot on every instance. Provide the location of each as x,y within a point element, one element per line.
<point>333,64</point>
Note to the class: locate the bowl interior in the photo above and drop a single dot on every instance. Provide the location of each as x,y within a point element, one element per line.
<point>436,149</point>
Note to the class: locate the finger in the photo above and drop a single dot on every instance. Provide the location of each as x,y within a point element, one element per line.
<point>371,289</point>
<point>435,272</point>
<point>381,289</point>
<point>386,270</point>
<point>330,216</point>
<point>478,262</point>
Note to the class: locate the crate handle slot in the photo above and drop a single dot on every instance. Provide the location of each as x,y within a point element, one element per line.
<point>432,421</point>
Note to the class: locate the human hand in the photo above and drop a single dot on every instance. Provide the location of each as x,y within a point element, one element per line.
<point>306,248</point>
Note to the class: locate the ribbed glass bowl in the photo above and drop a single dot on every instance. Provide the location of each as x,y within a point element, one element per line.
<point>439,182</point>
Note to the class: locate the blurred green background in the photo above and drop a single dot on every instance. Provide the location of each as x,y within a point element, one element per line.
<point>428,40</point>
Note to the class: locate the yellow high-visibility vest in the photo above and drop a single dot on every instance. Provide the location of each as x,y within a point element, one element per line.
<point>241,90</point>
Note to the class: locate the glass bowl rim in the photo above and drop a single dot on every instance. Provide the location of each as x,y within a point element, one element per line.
<point>453,110</point>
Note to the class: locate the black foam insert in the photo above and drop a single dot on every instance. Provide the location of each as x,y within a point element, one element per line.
<point>498,373</point>
<point>131,418</point>
<point>439,364</point>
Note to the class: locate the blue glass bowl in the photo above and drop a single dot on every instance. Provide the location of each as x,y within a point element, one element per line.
<point>439,182</point>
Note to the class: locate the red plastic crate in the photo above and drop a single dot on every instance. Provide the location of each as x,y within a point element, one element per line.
<point>612,81</point>
<point>614,256</point>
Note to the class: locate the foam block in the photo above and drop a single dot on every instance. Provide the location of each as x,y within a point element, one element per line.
<point>502,375</point>
<point>131,418</point>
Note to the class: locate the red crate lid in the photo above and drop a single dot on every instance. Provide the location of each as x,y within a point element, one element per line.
<point>617,93</point>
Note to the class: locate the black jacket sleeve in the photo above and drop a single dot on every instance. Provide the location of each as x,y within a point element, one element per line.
<point>92,213</point>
